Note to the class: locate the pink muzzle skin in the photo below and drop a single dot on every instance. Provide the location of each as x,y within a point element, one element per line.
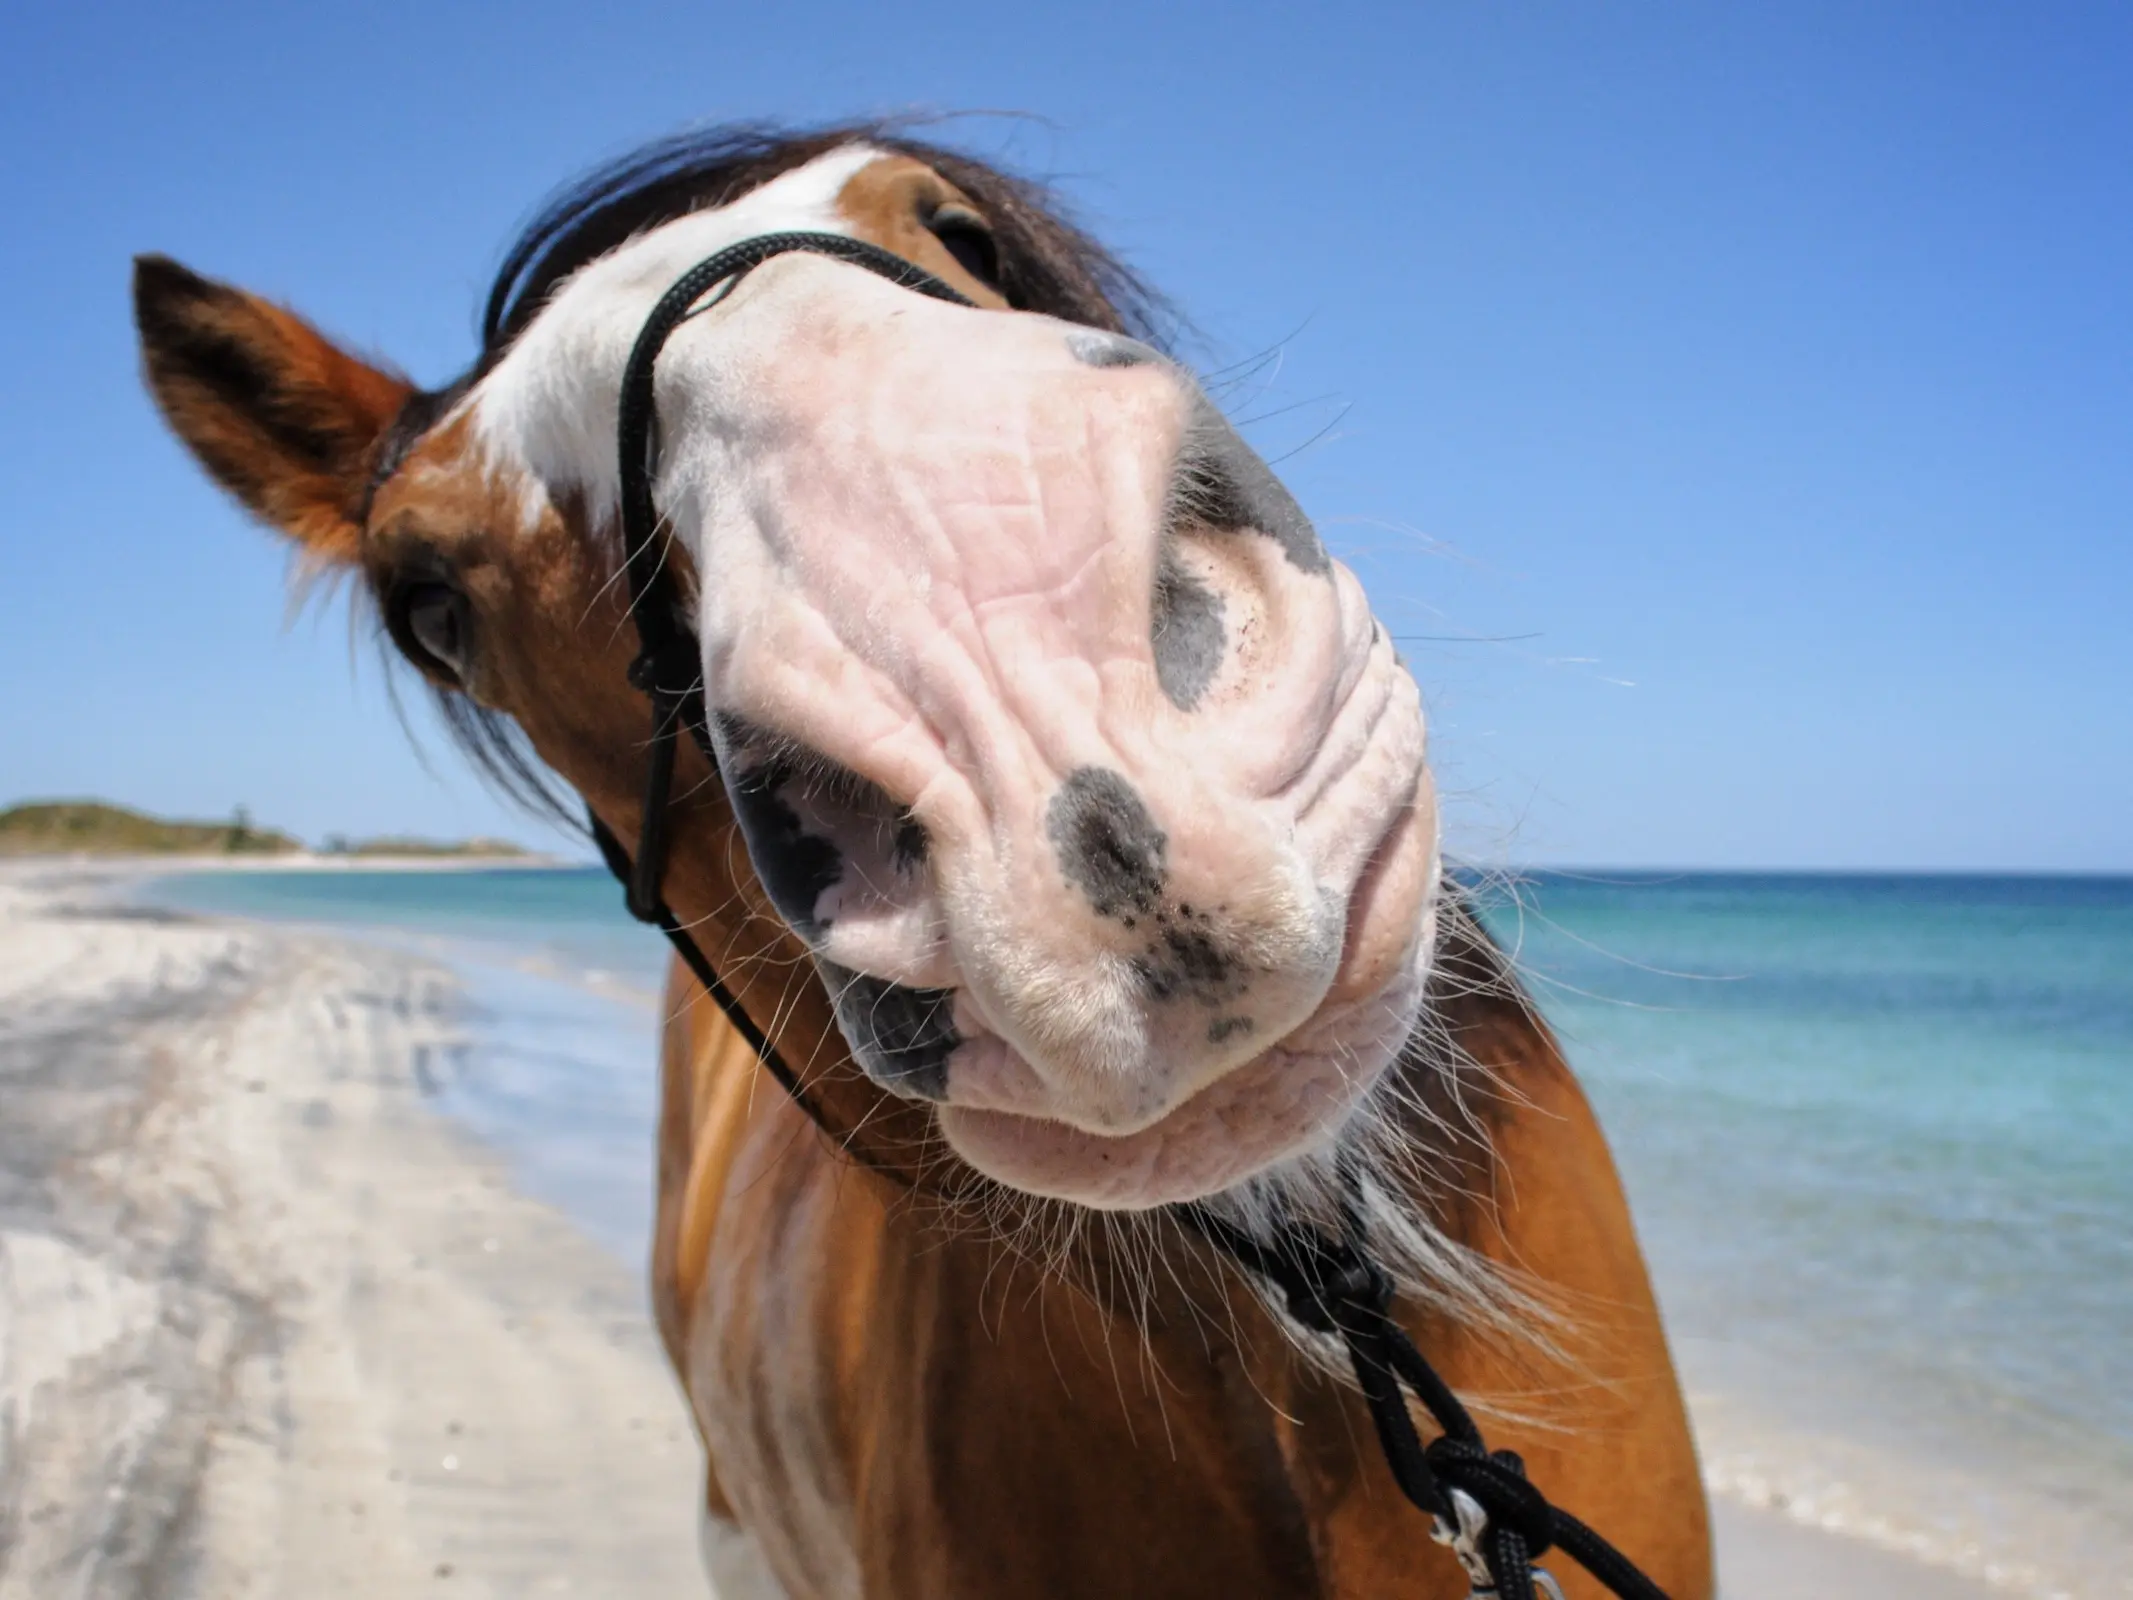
<point>1052,728</point>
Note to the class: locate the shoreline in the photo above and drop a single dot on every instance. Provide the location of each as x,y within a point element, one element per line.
<point>1834,1465</point>
<point>340,1032</point>
<point>126,879</point>
<point>1765,1554</point>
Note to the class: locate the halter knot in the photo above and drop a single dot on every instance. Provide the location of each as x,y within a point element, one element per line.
<point>1497,1481</point>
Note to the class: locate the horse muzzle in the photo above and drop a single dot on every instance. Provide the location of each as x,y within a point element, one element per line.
<point>1052,728</point>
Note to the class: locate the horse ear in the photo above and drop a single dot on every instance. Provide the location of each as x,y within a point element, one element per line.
<point>278,414</point>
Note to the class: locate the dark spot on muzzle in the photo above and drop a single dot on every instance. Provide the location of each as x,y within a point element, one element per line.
<point>1185,961</point>
<point>1109,847</point>
<point>1221,482</point>
<point>900,1036</point>
<point>1186,633</point>
<point>1107,350</point>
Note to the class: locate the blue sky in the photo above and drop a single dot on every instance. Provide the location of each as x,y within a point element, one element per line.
<point>1734,406</point>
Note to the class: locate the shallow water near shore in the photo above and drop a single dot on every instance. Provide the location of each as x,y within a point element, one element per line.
<point>1878,1134</point>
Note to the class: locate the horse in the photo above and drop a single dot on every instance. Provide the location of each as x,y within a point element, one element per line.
<point>1064,818</point>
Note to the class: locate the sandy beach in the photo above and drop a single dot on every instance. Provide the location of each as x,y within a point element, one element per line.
<point>271,1325</point>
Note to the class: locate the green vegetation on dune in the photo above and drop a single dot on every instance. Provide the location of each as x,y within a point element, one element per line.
<point>66,827</point>
<point>93,827</point>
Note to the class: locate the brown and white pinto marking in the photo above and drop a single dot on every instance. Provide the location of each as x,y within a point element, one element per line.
<point>1072,835</point>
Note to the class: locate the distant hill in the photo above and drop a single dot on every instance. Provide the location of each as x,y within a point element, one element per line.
<point>66,827</point>
<point>73,827</point>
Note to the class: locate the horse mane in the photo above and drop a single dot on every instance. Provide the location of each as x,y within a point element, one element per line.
<point>1047,263</point>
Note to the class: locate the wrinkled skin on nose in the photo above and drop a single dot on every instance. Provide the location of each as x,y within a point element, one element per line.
<point>1052,728</point>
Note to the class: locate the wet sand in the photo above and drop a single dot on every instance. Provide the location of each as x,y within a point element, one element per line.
<point>1764,1556</point>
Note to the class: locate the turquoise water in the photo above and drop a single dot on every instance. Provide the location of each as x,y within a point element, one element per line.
<point>1878,1134</point>
<point>1900,1107</point>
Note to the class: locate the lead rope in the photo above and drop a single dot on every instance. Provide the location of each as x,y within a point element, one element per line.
<point>1481,1502</point>
<point>1496,1522</point>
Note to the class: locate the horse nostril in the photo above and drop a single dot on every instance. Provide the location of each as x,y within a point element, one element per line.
<point>1220,482</point>
<point>910,846</point>
<point>1218,488</point>
<point>824,841</point>
<point>1186,634</point>
<point>797,868</point>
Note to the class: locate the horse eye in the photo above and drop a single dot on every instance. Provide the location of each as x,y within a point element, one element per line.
<point>428,620</point>
<point>968,237</point>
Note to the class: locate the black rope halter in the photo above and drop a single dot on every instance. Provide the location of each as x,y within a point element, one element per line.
<point>1331,1286</point>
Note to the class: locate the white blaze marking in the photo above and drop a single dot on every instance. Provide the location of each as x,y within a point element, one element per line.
<point>549,407</point>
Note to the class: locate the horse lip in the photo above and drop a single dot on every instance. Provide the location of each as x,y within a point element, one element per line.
<point>1329,1012</point>
<point>1099,1168</point>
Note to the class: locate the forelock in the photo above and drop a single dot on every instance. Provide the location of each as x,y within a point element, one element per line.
<point>1048,263</point>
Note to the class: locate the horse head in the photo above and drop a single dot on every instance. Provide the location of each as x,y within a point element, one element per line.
<point>1062,819</point>
<point>1057,744</point>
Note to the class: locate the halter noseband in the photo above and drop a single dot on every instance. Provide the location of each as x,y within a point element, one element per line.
<point>1482,1505</point>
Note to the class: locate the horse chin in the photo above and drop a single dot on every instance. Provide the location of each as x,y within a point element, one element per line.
<point>1284,1103</point>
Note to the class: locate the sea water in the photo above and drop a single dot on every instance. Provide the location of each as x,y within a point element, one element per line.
<point>1878,1139</point>
<point>1877,1134</point>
